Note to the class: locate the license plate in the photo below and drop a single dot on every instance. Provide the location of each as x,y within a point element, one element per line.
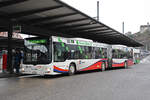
<point>34,72</point>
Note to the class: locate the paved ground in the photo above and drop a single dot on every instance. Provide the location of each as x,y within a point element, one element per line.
<point>145,60</point>
<point>120,84</point>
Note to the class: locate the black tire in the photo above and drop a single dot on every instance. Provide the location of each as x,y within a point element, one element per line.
<point>103,68</point>
<point>125,65</point>
<point>72,69</point>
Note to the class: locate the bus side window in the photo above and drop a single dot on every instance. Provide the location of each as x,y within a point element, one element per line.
<point>101,53</point>
<point>115,53</point>
<point>104,53</point>
<point>119,54</point>
<point>81,52</point>
<point>59,52</point>
<point>73,51</point>
<point>88,52</point>
<point>97,53</point>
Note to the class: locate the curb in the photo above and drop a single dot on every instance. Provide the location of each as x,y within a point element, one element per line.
<point>3,75</point>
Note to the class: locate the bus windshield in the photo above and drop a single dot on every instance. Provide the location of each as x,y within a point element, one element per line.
<point>37,51</point>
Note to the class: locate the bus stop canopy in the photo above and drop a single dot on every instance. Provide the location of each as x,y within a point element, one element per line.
<point>54,17</point>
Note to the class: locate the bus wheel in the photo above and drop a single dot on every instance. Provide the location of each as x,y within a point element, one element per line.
<point>103,68</point>
<point>72,69</point>
<point>125,65</point>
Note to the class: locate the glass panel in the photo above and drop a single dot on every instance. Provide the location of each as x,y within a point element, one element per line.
<point>99,52</point>
<point>104,52</point>
<point>114,53</point>
<point>60,52</point>
<point>73,52</point>
<point>37,51</point>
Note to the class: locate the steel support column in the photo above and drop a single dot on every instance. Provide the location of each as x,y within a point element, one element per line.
<point>9,49</point>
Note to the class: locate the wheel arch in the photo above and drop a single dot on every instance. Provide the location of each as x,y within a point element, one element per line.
<point>74,65</point>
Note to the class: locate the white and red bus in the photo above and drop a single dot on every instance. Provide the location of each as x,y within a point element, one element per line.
<point>122,56</point>
<point>55,55</point>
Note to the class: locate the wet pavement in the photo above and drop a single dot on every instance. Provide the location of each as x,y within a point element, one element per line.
<point>146,60</point>
<point>118,84</point>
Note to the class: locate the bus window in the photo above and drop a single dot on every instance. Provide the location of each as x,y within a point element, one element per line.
<point>101,53</point>
<point>121,54</point>
<point>114,53</point>
<point>98,53</point>
<point>88,52</point>
<point>37,51</point>
<point>81,50</point>
<point>59,52</point>
<point>73,52</point>
<point>104,52</point>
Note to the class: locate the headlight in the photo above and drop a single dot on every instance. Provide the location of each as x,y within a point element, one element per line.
<point>48,69</point>
<point>22,69</point>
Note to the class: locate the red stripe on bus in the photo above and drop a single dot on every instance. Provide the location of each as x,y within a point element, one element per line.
<point>60,69</point>
<point>118,64</point>
<point>97,65</point>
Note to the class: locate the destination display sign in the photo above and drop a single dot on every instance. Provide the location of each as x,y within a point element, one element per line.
<point>37,41</point>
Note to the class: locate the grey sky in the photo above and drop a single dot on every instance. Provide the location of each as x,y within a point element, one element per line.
<point>113,12</point>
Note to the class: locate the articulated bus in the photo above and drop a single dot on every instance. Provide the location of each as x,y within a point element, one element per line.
<point>56,55</point>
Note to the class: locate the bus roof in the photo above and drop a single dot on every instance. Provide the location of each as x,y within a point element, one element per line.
<point>79,41</point>
<point>118,46</point>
